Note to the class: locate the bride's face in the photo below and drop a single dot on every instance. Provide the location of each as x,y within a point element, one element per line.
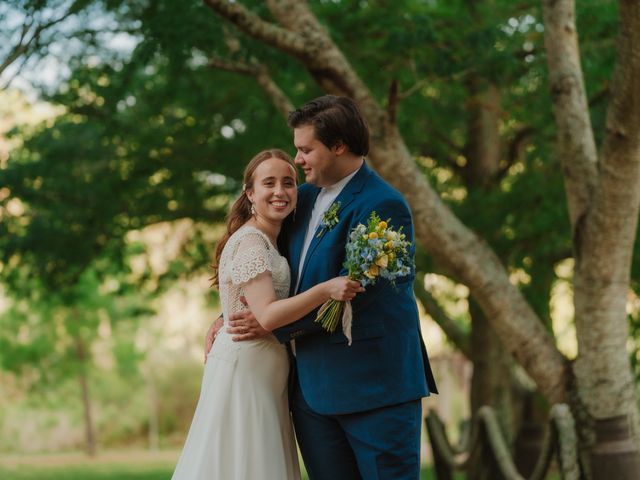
<point>274,193</point>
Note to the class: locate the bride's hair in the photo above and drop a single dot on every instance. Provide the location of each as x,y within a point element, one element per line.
<point>240,211</point>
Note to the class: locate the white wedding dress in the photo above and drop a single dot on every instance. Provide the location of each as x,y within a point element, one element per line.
<point>242,429</point>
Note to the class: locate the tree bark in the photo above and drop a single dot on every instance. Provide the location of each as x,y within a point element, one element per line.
<point>576,144</point>
<point>604,203</point>
<point>606,239</point>
<point>483,147</point>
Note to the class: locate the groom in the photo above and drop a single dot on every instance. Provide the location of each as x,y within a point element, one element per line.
<point>356,409</point>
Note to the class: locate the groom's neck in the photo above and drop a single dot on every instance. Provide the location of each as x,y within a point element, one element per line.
<point>344,168</point>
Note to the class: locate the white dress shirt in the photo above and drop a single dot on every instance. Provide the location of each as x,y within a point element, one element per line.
<point>324,200</point>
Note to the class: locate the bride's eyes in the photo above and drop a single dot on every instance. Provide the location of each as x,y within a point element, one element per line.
<point>272,183</point>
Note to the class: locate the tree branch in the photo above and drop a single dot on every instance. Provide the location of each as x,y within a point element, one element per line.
<point>514,150</point>
<point>322,58</point>
<point>623,115</point>
<point>392,101</point>
<point>232,66</point>
<point>261,74</point>
<point>22,46</point>
<point>452,330</point>
<point>17,71</point>
<point>576,144</point>
<point>600,95</point>
<point>256,27</point>
<point>18,49</point>
<point>454,147</point>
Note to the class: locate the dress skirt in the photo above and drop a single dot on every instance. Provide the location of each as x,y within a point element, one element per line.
<point>242,428</point>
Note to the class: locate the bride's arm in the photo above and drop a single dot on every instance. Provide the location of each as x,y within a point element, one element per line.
<point>272,313</point>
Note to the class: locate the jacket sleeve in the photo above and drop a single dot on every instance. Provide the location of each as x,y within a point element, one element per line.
<point>302,327</point>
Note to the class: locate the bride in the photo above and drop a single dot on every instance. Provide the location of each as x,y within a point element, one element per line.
<point>241,428</point>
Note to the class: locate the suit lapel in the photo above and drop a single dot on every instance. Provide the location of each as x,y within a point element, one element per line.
<point>346,196</point>
<point>303,215</point>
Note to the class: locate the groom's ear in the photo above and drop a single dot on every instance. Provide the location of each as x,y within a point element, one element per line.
<point>340,148</point>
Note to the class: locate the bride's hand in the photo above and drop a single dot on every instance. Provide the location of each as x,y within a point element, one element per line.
<point>211,336</point>
<point>343,288</point>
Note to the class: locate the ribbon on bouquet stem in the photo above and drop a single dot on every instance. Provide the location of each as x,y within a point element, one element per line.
<point>347,317</point>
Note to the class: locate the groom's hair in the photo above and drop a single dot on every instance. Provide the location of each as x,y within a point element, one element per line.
<point>335,120</point>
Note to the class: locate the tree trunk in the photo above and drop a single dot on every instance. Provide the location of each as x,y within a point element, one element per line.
<point>154,420</point>
<point>490,384</point>
<point>483,147</point>
<point>603,204</point>
<point>89,428</point>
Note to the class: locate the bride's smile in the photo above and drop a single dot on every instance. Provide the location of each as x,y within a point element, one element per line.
<point>274,191</point>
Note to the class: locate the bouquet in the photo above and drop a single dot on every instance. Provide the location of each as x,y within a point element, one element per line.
<point>373,251</point>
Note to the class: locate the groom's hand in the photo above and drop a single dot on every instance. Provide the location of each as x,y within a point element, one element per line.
<point>244,326</point>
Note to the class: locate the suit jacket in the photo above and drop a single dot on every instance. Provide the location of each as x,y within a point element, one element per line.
<point>387,363</point>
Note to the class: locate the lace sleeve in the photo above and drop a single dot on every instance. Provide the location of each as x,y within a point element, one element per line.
<point>252,257</point>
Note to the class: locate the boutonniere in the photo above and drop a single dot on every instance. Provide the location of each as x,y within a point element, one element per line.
<point>329,218</point>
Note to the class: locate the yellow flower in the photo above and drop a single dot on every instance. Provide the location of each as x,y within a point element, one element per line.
<point>392,256</point>
<point>382,261</point>
<point>382,225</point>
<point>372,272</point>
<point>391,235</point>
<point>365,236</point>
<point>388,245</point>
<point>373,235</point>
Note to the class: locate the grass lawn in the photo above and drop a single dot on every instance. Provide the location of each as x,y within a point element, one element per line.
<point>129,465</point>
<point>126,465</point>
<point>94,472</point>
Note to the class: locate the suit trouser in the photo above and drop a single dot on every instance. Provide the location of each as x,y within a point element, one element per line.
<point>380,444</point>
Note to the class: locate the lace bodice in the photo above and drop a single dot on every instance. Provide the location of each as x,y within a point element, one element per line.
<point>247,254</point>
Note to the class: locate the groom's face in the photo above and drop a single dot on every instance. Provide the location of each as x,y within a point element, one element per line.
<point>318,162</point>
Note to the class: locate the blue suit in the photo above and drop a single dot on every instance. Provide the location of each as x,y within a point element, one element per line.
<point>377,382</point>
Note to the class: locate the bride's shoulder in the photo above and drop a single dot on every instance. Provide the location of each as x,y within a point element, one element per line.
<point>247,231</point>
<point>249,236</point>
